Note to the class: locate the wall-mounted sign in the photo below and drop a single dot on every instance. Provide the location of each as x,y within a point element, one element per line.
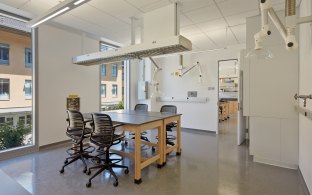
<point>73,102</point>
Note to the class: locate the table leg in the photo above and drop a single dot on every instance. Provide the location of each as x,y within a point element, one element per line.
<point>137,157</point>
<point>179,136</point>
<point>161,145</point>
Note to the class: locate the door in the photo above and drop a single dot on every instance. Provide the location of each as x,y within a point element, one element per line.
<point>241,120</point>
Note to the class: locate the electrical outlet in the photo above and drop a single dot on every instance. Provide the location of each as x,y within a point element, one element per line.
<point>211,88</point>
<point>192,94</point>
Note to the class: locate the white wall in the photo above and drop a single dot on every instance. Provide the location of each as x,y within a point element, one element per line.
<point>305,80</point>
<point>58,78</point>
<point>202,116</point>
<point>269,88</point>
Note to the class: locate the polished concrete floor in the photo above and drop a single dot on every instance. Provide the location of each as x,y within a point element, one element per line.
<point>210,164</point>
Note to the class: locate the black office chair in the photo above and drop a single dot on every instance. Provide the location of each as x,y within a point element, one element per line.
<point>77,131</point>
<point>143,108</point>
<point>103,136</point>
<point>170,109</point>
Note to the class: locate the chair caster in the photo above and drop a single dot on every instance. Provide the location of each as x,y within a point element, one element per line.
<point>66,161</point>
<point>126,171</point>
<point>85,170</point>
<point>159,166</point>
<point>178,153</point>
<point>115,183</point>
<point>126,143</point>
<point>153,149</point>
<point>62,170</point>
<point>88,172</point>
<point>88,185</point>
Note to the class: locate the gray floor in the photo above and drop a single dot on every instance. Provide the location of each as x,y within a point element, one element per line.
<point>209,164</point>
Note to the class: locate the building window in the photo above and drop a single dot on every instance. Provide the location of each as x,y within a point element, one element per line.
<point>28,89</point>
<point>28,58</point>
<point>103,90</point>
<point>9,120</point>
<point>4,89</point>
<point>21,120</point>
<point>114,70</point>
<point>28,119</point>
<point>114,90</point>
<point>103,70</point>
<point>4,53</point>
<point>2,120</point>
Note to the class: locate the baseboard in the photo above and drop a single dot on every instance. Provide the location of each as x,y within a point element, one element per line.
<point>197,130</point>
<point>275,163</point>
<point>55,145</point>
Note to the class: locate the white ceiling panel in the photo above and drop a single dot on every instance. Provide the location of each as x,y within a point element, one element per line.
<point>233,7</point>
<point>238,19</point>
<point>156,5</point>
<point>222,37</point>
<point>37,7</point>
<point>98,17</point>
<point>240,32</point>
<point>192,5</point>
<point>190,30</point>
<point>212,25</point>
<point>16,3</point>
<point>204,14</point>
<point>184,21</point>
<point>141,3</point>
<point>202,42</point>
<point>118,8</point>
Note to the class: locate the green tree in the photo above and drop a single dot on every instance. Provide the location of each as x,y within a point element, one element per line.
<point>120,105</point>
<point>13,136</point>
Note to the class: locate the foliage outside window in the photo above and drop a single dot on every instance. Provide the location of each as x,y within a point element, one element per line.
<point>13,136</point>
<point>4,89</point>
<point>114,70</point>
<point>4,53</point>
<point>28,58</point>
<point>114,90</point>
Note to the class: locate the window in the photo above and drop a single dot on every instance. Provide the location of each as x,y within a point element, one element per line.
<point>114,90</point>
<point>103,70</point>
<point>114,70</point>
<point>21,120</point>
<point>28,58</point>
<point>4,89</point>
<point>103,90</point>
<point>9,120</point>
<point>28,89</point>
<point>4,53</point>
<point>28,119</point>
<point>2,120</point>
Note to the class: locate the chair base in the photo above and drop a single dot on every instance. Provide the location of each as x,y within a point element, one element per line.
<point>106,166</point>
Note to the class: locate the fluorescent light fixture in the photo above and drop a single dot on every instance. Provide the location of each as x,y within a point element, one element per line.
<point>78,2</point>
<point>50,17</point>
<point>58,10</point>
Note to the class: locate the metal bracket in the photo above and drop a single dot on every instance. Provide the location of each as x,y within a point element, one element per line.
<point>304,98</point>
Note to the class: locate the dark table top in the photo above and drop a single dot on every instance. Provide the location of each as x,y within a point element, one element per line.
<point>133,117</point>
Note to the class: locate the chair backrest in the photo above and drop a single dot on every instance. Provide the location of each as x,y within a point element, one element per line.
<point>103,130</point>
<point>169,108</point>
<point>141,107</point>
<point>75,120</point>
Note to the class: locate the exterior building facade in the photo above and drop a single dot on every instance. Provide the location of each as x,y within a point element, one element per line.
<point>15,76</point>
<point>112,85</point>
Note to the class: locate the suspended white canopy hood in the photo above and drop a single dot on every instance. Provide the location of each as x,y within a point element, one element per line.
<point>160,47</point>
<point>161,36</point>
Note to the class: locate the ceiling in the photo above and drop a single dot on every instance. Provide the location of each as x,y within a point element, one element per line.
<point>209,24</point>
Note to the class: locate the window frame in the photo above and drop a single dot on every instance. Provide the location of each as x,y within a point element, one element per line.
<point>116,94</point>
<point>103,67</point>
<point>28,51</point>
<point>114,68</point>
<point>103,90</point>
<point>2,61</point>
<point>28,97</point>
<point>1,86</point>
